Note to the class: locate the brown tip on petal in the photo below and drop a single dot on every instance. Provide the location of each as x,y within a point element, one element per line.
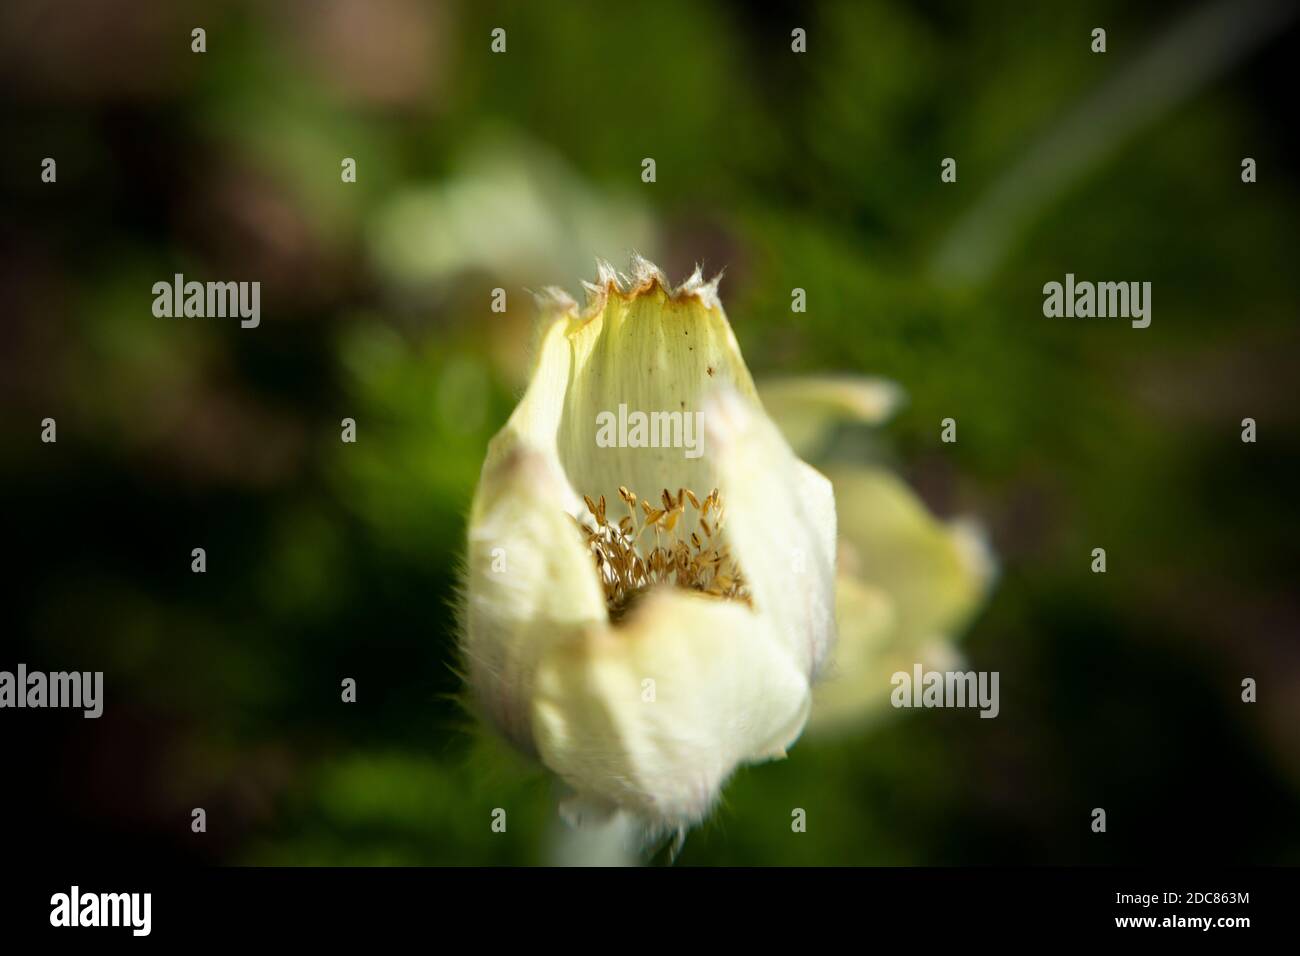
<point>645,274</point>
<point>643,278</point>
<point>607,276</point>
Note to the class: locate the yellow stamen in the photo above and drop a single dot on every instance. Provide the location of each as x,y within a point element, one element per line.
<point>685,560</point>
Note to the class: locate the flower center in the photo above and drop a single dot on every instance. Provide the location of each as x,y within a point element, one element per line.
<point>630,566</point>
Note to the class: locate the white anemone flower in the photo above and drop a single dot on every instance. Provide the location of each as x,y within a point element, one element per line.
<point>644,619</point>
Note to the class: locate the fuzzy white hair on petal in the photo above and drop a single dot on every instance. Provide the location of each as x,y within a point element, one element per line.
<point>553,298</point>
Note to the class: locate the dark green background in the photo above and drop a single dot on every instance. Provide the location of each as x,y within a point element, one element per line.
<point>819,171</point>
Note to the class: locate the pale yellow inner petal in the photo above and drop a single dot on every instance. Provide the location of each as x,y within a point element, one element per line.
<point>649,353</point>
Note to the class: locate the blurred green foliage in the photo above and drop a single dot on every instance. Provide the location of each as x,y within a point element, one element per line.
<point>817,171</point>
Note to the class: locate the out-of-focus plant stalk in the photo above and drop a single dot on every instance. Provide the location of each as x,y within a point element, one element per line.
<point>1198,49</point>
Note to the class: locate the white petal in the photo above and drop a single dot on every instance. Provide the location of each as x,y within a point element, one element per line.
<point>724,691</point>
<point>531,582</point>
<point>535,422</point>
<point>781,526</point>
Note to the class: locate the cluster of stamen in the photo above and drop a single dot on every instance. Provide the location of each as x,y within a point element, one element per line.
<point>628,566</point>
